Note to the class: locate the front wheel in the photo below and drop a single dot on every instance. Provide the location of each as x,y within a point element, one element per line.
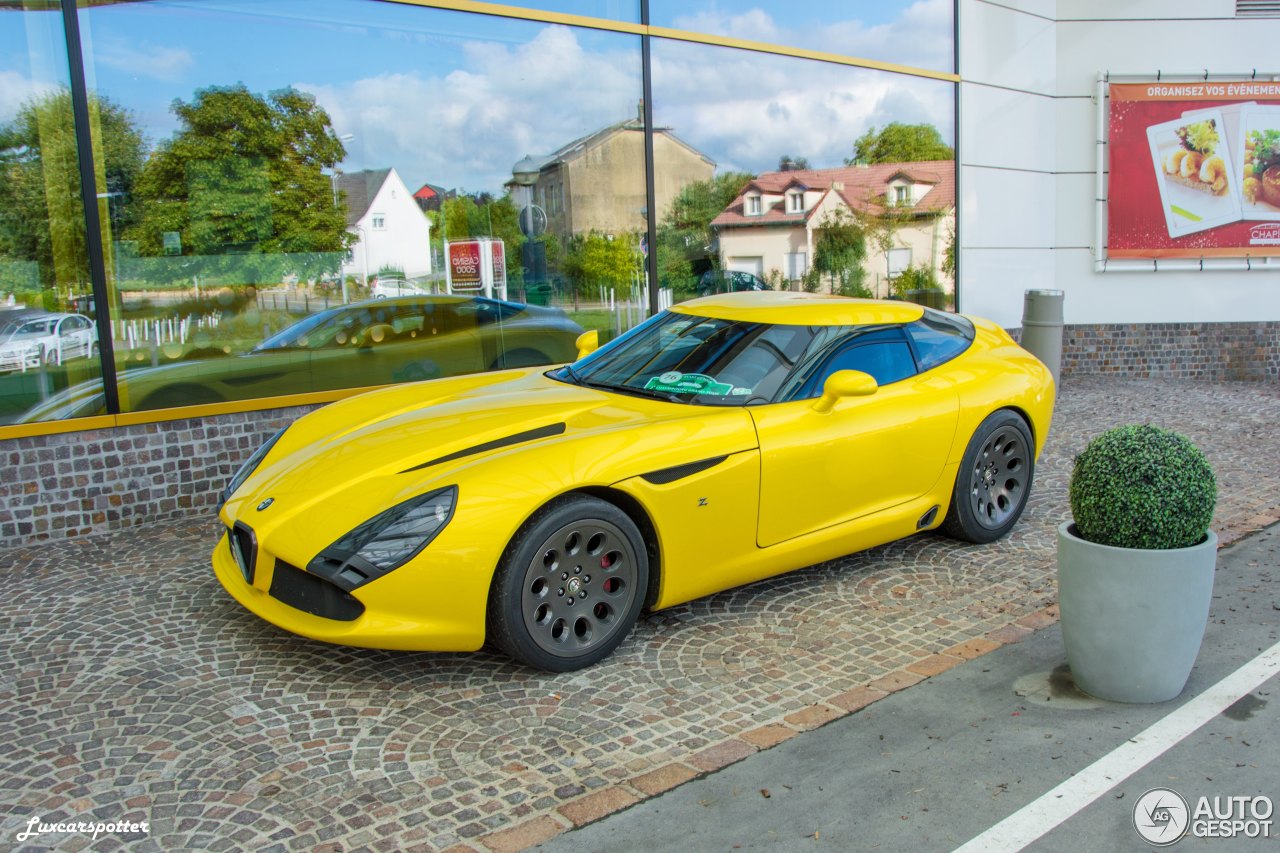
<point>570,586</point>
<point>994,480</point>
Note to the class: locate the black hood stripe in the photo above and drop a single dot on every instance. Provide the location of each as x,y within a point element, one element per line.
<point>679,472</point>
<point>517,438</point>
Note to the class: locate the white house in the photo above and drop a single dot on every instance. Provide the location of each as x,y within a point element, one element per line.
<point>390,228</point>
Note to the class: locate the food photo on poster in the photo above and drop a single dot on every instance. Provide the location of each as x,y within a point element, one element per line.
<point>1194,169</point>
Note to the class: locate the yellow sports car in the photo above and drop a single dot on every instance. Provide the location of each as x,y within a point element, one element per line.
<point>725,440</point>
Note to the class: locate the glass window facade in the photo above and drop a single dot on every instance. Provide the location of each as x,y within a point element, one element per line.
<point>298,198</point>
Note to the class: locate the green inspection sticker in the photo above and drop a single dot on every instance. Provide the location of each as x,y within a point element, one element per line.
<point>687,383</point>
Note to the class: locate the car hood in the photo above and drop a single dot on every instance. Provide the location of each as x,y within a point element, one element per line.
<point>389,445</point>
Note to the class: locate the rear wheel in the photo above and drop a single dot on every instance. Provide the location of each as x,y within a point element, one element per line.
<point>571,585</point>
<point>993,481</point>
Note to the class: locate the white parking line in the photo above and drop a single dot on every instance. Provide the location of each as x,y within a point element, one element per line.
<point>1041,815</point>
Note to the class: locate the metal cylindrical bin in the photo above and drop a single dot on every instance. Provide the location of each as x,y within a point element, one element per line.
<point>1042,328</point>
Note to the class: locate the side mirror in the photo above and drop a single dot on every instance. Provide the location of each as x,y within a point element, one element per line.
<point>587,343</point>
<point>841,384</point>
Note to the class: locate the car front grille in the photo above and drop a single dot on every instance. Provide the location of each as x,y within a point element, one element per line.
<point>244,549</point>
<point>311,594</point>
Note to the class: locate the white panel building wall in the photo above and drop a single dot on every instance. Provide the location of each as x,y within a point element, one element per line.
<point>1028,129</point>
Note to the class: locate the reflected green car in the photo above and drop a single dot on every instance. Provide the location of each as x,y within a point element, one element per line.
<point>378,342</point>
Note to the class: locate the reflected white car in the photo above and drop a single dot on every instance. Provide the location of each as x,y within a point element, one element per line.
<point>30,341</point>
<point>395,287</point>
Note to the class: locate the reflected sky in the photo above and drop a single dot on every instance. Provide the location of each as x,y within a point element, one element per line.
<point>456,99</point>
<point>906,32</point>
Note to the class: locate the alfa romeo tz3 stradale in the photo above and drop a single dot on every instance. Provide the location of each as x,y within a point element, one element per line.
<point>724,440</point>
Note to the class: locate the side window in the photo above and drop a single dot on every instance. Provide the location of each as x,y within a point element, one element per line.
<point>887,361</point>
<point>939,337</point>
<point>884,354</point>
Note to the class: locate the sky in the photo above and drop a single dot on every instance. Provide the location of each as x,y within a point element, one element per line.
<point>456,99</point>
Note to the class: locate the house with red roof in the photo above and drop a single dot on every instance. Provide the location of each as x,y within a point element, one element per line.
<point>773,223</point>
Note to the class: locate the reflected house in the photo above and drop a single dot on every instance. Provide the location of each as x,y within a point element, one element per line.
<point>596,182</point>
<point>429,197</point>
<point>774,222</point>
<point>390,227</point>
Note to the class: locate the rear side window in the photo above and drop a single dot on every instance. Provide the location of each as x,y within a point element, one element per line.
<point>939,337</point>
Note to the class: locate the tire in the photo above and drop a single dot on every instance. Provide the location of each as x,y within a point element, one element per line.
<point>994,480</point>
<point>570,587</point>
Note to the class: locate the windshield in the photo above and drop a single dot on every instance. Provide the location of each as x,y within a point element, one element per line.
<point>21,328</point>
<point>700,360</point>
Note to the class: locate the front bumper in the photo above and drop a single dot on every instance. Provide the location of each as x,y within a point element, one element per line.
<point>19,359</point>
<point>393,612</point>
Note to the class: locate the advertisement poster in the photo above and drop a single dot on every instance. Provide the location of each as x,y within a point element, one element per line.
<point>1195,169</point>
<point>464,264</point>
<point>499,260</point>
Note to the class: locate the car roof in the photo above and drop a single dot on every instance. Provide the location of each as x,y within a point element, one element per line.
<point>801,309</point>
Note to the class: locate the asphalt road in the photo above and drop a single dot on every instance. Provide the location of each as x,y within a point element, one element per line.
<point>938,764</point>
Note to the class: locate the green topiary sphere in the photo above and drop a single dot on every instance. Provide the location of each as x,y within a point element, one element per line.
<point>1142,487</point>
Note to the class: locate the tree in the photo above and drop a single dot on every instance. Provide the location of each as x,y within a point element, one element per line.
<point>41,214</point>
<point>840,250</point>
<point>601,260</point>
<point>789,164</point>
<point>242,186</point>
<point>900,143</point>
<point>685,238</point>
<point>482,215</point>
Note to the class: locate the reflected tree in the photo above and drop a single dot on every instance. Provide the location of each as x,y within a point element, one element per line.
<point>900,143</point>
<point>840,250</point>
<point>240,190</point>
<point>686,242</point>
<point>41,216</point>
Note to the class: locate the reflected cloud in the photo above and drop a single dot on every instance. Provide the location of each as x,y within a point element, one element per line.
<point>145,60</point>
<point>921,34</point>
<point>745,109</point>
<point>471,125</point>
<point>17,89</point>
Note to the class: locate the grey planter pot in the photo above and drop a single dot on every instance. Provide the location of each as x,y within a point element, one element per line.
<point>1132,620</point>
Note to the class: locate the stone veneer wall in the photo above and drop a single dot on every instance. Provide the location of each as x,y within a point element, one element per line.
<point>72,484</point>
<point>1210,351</point>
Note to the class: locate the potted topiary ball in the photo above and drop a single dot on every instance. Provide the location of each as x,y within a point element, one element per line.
<point>1135,569</point>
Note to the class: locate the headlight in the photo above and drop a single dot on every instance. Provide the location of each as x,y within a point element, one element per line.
<point>386,541</point>
<point>250,465</point>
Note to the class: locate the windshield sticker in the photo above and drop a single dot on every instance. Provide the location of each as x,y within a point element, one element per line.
<point>688,383</point>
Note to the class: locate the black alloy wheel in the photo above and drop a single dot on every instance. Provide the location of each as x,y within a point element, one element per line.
<point>994,480</point>
<point>571,585</point>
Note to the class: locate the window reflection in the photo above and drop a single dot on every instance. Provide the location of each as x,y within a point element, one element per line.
<point>829,178</point>
<point>305,164</point>
<point>46,342</point>
<point>919,33</point>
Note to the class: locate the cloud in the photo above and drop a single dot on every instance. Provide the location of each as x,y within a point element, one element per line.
<point>16,90</point>
<point>145,60</point>
<point>747,109</point>
<point>468,127</point>
<point>921,35</point>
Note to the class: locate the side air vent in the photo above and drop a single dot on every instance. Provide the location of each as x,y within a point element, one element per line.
<point>927,518</point>
<point>678,472</point>
<point>517,438</point>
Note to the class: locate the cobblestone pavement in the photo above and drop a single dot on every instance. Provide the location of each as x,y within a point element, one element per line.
<point>133,689</point>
